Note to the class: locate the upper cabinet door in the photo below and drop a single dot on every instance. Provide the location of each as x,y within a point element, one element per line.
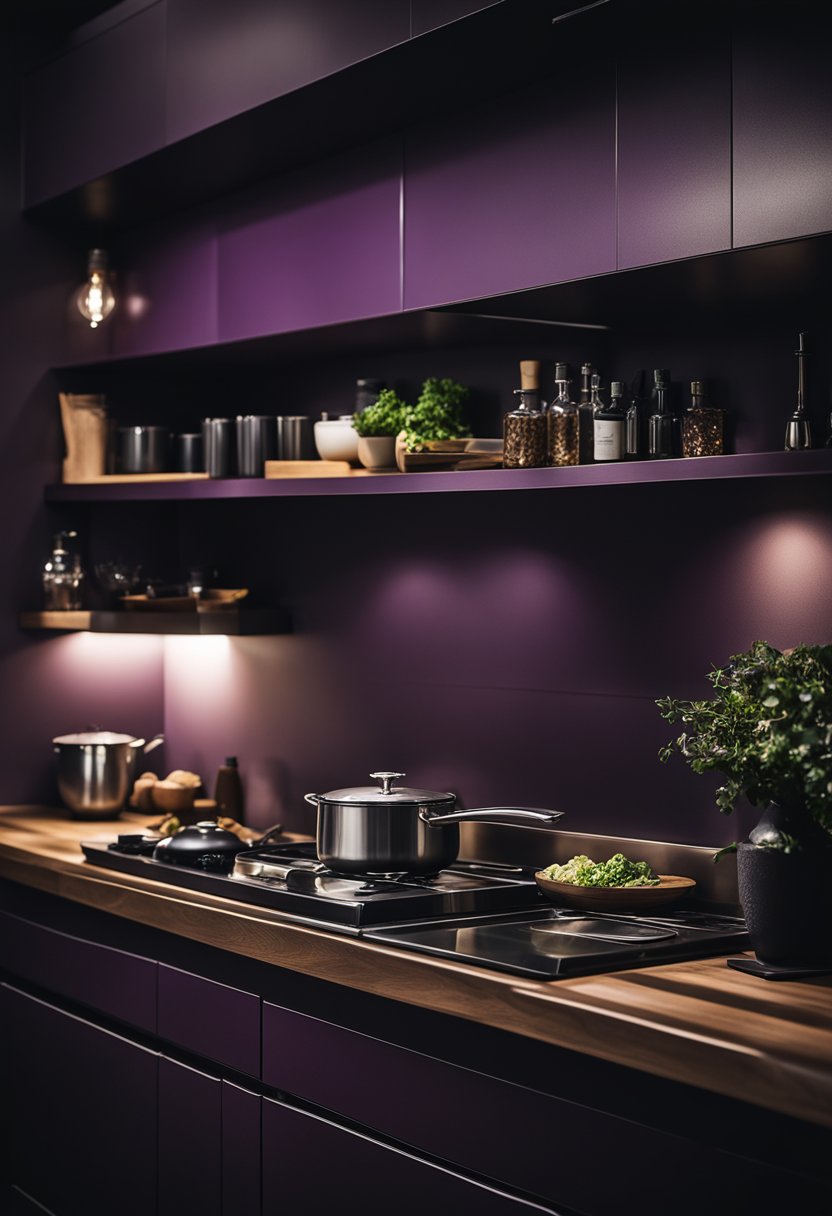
<point>674,132</point>
<point>98,106</point>
<point>314,247</point>
<point>782,122</point>
<point>518,191</point>
<point>224,58</point>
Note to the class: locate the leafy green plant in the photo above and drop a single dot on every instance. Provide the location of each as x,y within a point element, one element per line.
<point>436,415</point>
<point>767,728</point>
<point>385,417</point>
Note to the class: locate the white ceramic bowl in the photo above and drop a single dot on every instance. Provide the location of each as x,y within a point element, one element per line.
<point>335,439</point>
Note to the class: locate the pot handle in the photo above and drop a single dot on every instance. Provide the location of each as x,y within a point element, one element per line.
<point>493,812</point>
<point>312,799</point>
<point>147,747</point>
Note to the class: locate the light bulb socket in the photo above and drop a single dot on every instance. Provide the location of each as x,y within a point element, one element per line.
<point>97,260</point>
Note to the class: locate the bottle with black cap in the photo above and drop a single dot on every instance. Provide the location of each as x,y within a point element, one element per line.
<point>586,417</point>
<point>609,423</point>
<point>228,791</point>
<point>661,427</point>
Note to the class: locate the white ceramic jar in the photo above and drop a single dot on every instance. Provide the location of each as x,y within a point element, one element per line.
<point>336,439</point>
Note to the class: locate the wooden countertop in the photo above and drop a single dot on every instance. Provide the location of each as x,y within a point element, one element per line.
<point>698,1022</point>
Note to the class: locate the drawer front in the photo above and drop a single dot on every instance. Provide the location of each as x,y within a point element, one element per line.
<point>114,983</point>
<point>516,1136</point>
<point>210,1019</point>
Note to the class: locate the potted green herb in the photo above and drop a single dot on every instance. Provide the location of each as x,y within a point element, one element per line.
<point>377,427</point>
<point>436,416</point>
<point>767,729</point>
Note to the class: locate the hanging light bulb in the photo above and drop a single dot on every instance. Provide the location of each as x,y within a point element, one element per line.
<point>95,298</point>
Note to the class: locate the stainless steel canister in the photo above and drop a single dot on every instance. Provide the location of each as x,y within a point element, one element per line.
<point>256,443</point>
<point>144,449</point>
<point>294,437</point>
<point>218,446</point>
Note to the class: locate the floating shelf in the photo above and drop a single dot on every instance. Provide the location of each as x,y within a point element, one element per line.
<point>229,623</point>
<point>631,473</point>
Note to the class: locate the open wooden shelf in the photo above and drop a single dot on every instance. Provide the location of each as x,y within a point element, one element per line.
<point>247,622</point>
<point>631,473</point>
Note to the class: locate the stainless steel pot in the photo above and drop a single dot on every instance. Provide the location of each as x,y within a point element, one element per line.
<point>390,829</point>
<point>95,770</point>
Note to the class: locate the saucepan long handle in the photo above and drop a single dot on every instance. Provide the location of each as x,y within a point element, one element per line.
<point>532,813</point>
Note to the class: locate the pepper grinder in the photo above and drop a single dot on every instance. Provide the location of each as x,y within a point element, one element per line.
<point>798,430</point>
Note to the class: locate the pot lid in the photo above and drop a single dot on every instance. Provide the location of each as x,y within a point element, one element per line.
<point>385,793</point>
<point>92,737</point>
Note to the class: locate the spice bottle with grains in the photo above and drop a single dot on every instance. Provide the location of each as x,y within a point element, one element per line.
<point>562,419</point>
<point>524,434</point>
<point>703,425</point>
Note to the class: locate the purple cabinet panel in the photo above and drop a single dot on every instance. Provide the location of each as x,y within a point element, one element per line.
<point>96,107</point>
<point>190,1141</point>
<point>84,1113</point>
<point>167,286</point>
<point>782,123</point>
<point>115,983</point>
<point>225,58</point>
<point>313,1165</point>
<point>210,1019</point>
<point>240,1151</point>
<point>430,14</point>
<point>518,191</point>
<point>674,135</point>
<point>320,245</point>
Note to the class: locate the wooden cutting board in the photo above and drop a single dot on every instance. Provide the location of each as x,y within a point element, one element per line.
<point>113,479</point>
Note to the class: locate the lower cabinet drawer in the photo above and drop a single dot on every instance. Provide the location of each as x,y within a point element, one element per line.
<point>113,982</point>
<point>210,1019</point>
<point>522,1138</point>
<point>310,1164</point>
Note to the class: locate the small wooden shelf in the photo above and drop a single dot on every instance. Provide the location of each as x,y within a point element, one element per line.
<point>247,622</point>
<point>631,473</point>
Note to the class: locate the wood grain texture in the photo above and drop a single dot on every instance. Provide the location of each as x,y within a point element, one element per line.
<point>695,1022</point>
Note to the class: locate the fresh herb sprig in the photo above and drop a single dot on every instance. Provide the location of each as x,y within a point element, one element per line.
<point>436,415</point>
<point>385,417</point>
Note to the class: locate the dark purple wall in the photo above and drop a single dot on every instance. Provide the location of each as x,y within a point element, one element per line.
<point>61,684</point>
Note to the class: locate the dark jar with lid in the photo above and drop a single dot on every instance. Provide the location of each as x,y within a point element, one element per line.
<point>525,434</point>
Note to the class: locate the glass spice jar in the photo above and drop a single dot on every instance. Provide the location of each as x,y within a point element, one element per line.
<point>524,434</point>
<point>703,425</point>
<point>562,423</point>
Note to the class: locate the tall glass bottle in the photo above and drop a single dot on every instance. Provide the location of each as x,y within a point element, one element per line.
<point>702,425</point>
<point>562,418</point>
<point>609,423</point>
<point>661,425</point>
<point>524,434</point>
<point>634,428</point>
<point>586,417</point>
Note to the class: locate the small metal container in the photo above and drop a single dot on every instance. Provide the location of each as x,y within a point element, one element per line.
<point>144,449</point>
<point>189,456</point>
<point>256,443</point>
<point>294,438</point>
<point>218,446</point>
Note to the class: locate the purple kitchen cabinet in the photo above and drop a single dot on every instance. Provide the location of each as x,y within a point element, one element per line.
<point>210,1019</point>
<point>311,1164</point>
<point>519,190</point>
<point>225,58</point>
<point>96,107</point>
<point>114,982</point>
<point>240,1151</point>
<point>82,1104</point>
<point>317,246</point>
<point>674,133</point>
<point>430,14</point>
<point>782,100</point>
<point>190,1141</point>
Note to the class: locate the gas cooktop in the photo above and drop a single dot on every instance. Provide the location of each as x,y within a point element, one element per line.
<point>476,912</point>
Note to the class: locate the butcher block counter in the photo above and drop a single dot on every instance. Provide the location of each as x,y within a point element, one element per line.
<point>697,1022</point>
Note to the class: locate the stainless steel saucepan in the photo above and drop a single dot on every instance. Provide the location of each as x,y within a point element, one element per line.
<point>95,770</point>
<point>388,829</point>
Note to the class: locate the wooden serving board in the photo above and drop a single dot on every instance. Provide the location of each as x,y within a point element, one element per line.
<point>670,888</point>
<point>309,468</point>
<point>116,479</point>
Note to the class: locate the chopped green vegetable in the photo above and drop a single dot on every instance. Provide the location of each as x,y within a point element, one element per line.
<point>619,871</point>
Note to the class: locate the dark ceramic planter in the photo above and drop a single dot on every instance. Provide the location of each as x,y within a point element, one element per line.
<point>787,897</point>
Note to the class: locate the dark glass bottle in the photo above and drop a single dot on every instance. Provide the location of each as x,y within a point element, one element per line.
<point>609,424</point>
<point>524,434</point>
<point>586,417</point>
<point>634,428</point>
<point>228,790</point>
<point>562,419</point>
<point>661,425</point>
<point>703,426</point>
